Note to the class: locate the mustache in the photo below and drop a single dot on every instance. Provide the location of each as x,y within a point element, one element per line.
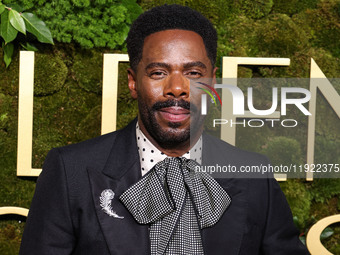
<point>172,102</point>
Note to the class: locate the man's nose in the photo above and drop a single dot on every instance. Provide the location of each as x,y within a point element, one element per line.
<point>177,86</point>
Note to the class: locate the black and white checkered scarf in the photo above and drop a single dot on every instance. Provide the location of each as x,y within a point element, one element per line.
<point>178,202</point>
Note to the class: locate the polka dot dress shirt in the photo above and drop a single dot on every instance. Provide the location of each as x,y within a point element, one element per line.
<point>149,155</point>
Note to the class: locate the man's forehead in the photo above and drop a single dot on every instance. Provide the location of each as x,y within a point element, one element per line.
<point>174,46</point>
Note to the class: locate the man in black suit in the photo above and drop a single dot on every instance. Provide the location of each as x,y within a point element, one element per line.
<point>83,202</point>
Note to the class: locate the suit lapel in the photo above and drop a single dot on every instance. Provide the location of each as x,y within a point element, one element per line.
<point>122,170</point>
<point>226,236</point>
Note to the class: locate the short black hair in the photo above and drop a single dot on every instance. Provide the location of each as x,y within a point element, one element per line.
<point>168,17</point>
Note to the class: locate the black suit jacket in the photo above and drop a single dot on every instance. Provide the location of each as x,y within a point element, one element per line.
<point>66,218</point>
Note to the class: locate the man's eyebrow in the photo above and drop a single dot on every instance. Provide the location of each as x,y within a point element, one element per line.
<point>157,64</point>
<point>186,65</point>
<point>195,64</point>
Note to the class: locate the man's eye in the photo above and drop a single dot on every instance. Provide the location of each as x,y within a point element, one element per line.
<point>157,75</point>
<point>194,74</point>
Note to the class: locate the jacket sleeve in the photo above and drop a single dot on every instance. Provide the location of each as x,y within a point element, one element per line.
<point>281,237</point>
<point>49,228</point>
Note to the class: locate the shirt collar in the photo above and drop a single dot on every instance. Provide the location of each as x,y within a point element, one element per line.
<point>149,155</point>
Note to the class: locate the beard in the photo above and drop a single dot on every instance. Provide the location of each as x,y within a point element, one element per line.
<point>173,135</point>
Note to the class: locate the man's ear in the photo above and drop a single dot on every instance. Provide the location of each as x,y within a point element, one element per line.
<point>132,83</point>
<point>214,76</point>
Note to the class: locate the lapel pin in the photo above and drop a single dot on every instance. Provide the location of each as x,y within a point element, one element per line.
<point>105,203</point>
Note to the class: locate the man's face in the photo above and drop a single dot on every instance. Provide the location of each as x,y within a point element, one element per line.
<point>171,58</point>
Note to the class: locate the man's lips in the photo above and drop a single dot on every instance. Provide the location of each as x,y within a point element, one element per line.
<point>174,113</point>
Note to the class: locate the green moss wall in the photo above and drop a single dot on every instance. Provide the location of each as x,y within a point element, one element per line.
<point>67,102</point>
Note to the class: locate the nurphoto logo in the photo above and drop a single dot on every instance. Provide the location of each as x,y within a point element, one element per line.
<point>281,95</point>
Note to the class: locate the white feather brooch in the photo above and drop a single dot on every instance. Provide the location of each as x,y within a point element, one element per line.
<point>105,202</point>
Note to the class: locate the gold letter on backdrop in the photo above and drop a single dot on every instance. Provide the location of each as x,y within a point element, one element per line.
<point>229,70</point>
<point>313,241</point>
<point>25,121</point>
<point>110,90</point>
<point>25,115</point>
<point>318,81</point>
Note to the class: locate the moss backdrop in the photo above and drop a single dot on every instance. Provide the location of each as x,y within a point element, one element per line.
<point>68,80</point>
